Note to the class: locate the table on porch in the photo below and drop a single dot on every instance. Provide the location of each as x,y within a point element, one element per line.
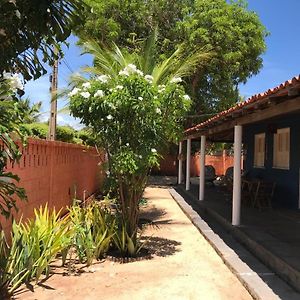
<point>257,192</point>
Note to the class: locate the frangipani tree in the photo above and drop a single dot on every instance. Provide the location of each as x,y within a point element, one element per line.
<point>133,117</point>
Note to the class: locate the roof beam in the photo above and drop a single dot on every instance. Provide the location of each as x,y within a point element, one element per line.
<point>282,108</point>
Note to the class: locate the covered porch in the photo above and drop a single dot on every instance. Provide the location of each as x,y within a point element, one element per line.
<point>264,131</point>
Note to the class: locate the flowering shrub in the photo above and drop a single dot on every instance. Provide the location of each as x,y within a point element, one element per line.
<point>10,120</point>
<point>133,119</point>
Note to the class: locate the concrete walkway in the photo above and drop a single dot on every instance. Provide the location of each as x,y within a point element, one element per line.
<point>184,266</point>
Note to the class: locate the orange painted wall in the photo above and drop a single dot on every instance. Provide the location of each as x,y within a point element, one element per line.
<point>168,166</point>
<point>50,172</point>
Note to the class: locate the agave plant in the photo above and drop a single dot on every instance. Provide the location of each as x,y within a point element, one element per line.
<point>93,228</point>
<point>11,276</point>
<point>40,240</point>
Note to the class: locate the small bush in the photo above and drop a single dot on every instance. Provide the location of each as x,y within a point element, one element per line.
<point>65,134</point>
<point>39,130</point>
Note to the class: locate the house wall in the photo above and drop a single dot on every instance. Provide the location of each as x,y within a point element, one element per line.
<point>52,172</point>
<point>287,181</point>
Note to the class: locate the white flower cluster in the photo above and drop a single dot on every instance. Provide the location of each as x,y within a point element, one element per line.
<point>149,78</point>
<point>103,78</point>
<point>86,85</point>
<point>99,94</point>
<point>161,88</point>
<point>85,95</point>
<point>176,80</point>
<point>131,69</point>
<point>14,81</point>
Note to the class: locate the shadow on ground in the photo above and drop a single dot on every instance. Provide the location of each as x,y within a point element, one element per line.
<point>160,246</point>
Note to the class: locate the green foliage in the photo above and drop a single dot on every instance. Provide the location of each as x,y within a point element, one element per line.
<point>127,22</point>
<point>33,247</point>
<point>41,240</point>
<point>127,245</point>
<point>93,229</point>
<point>10,120</point>
<point>29,113</point>
<point>87,137</point>
<point>237,37</point>
<point>235,34</point>
<point>39,130</point>
<point>10,279</point>
<point>65,134</point>
<point>29,29</point>
<point>132,118</point>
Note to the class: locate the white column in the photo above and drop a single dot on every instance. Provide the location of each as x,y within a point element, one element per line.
<point>180,163</point>
<point>236,195</point>
<point>202,168</point>
<point>188,165</point>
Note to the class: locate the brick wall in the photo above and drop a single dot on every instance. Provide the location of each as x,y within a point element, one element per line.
<point>168,166</point>
<point>53,172</point>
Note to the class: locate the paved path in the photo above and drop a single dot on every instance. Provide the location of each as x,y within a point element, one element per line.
<point>185,266</point>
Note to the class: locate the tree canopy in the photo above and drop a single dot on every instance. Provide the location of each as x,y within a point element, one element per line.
<point>234,33</point>
<point>29,30</point>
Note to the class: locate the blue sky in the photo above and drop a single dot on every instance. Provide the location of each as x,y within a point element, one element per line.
<point>281,60</point>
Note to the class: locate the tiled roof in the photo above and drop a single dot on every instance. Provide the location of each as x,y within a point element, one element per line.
<point>254,99</point>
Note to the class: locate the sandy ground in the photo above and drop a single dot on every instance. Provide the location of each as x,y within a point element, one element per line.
<point>184,266</point>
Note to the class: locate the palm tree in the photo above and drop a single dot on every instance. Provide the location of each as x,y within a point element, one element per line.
<point>110,60</point>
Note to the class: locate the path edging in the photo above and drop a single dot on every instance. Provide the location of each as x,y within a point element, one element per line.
<point>257,288</point>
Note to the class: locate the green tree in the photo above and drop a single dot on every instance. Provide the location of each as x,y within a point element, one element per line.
<point>29,30</point>
<point>234,33</point>
<point>133,115</point>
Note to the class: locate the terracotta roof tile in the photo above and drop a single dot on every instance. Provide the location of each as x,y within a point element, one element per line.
<point>254,98</point>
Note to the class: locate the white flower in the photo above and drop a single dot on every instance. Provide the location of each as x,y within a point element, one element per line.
<point>131,69</point>
<point>107,173</point>
<point>153,150</point>
<point>109,117</point>
<point>149,78</point>
<point>102,78</point>
<point>111,90</point>
<point>85,95</point>
<point>161,88</point>
<point>74,92</point>
<point>99,93</point>
<point>186,97</point>
<point>124,73</point>
<point>140,156</point>
<point>158,111</point>
<point>14,81</point>
<point>86,85</point>
<point>119,87</point>
<point>176,80</point>
<point>139,72</point>
<point>127,144</point>
<point>141,98</point>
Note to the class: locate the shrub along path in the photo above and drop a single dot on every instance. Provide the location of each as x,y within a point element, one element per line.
<point>184,265</point>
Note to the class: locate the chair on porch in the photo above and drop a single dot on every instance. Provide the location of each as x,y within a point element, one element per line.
<point>263,194</point>
<point>210,174</point>
<point>227,180</point>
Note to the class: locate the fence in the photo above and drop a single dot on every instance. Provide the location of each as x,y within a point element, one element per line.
<point>54,173</point>
<point>168,166</point>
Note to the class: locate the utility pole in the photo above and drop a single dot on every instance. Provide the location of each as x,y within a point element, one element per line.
<point>53,90</point>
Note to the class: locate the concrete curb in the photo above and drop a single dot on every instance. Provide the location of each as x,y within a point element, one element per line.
<point>257,288</point>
